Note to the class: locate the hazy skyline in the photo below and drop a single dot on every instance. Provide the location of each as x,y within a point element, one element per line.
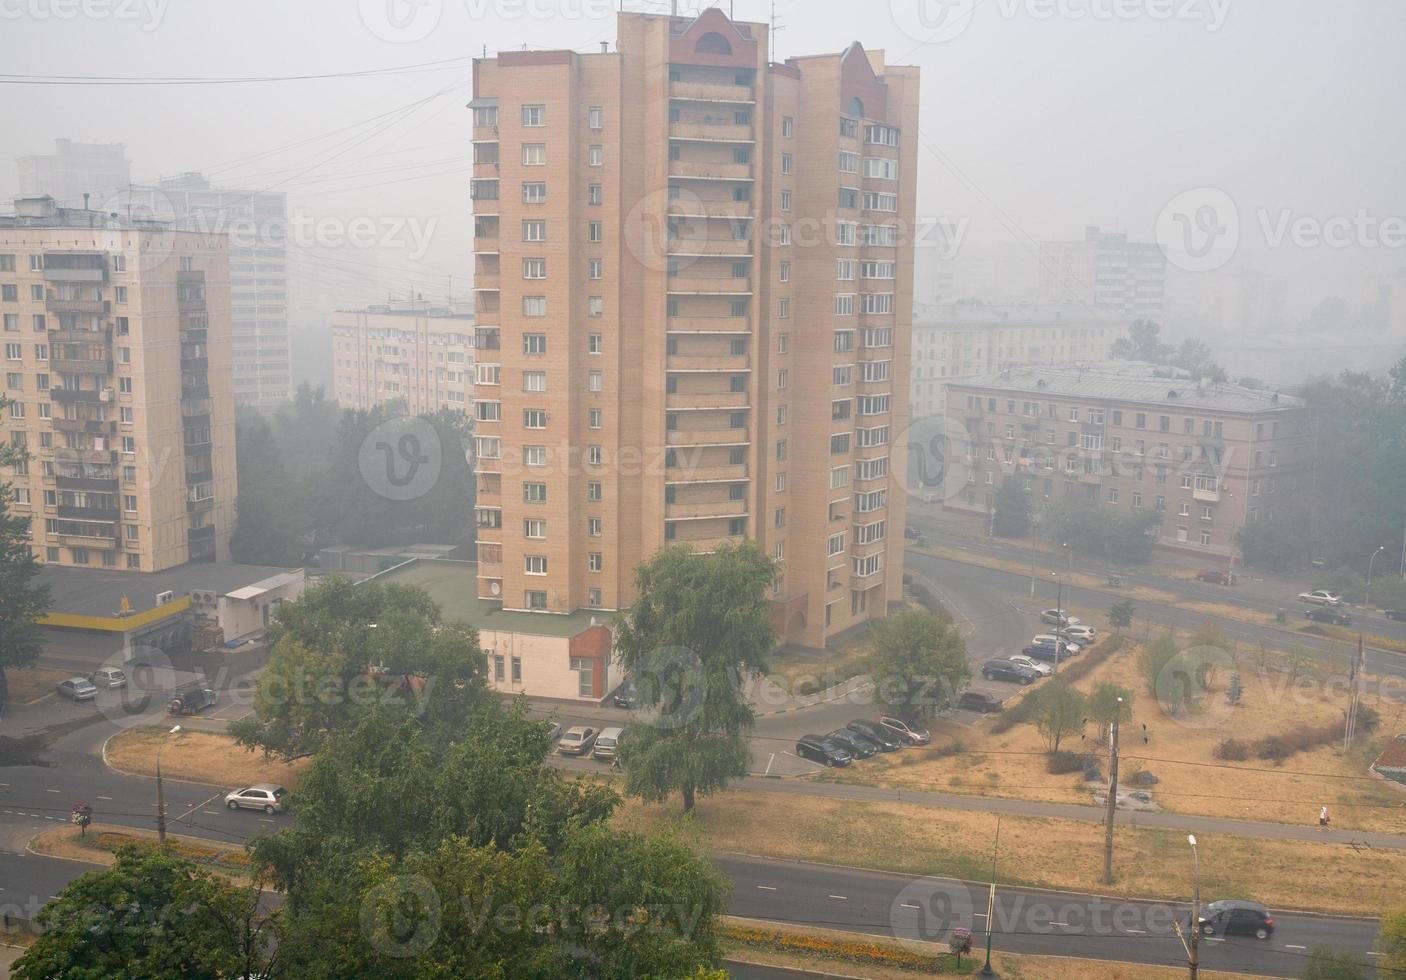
<point>1038,116</point>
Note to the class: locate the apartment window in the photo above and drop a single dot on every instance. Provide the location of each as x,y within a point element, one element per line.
<point>594,194</point>
<point>534,306</point>
<point>783,308</point>
<point>595,117</point>
<point>594,527</point>
<point>844,269</point>
<point>534,231</point>
<point>839,477</point>
<point>595,268</point>
<point>788,127</point>
<point>782,343</point>
<point>595,156</point>
<point>785,200</point>
<point>782,377</point>
<point>10,293</point>
<point>594,231</point>
<point>538,600</point>
<point>534,564</point>
<point>534,192</point>
<point>593,598</point>
<point>848,197</point>
<point>780,450</point>
<point>595,306</point>
<point>534,418</point>
<point>534,154</point>
<point>844,304</point>
<point>594,344</point>
<point>534,493</point>
<point>40,323</point>
<point>594,380</point>
<point>839,443</point>
<point>786,163</point>
<point>534,455</point>
<point>534,268</point>
<point>842,375</point>
<point>534,115</point>
<point>593,491</point>
<point>594,417</point>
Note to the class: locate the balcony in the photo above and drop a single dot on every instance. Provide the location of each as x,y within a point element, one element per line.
<point>206,533</point>
<point>720,132</point>
<point>720,247</point>
<point>709,544</point>
<point>96,306</point>
<point>711,286</point>
<point>94,273</point>
<point>87,484</point>
<point>706,437</point>
<point>80,365</point>
<point>199,506</point>
<point>701,400</point>
<point>708,362</point>
<point>706,509</point>
<point>710,324</point>
<point>94,426</point>
<point>721,210</point>
<point>704,170</point>
<point>65,454</point>
<point>88,513</point>
<point>706,474</point>
<point>197,477</point>
<point>103,336</point>
<point>1206,496</point>
<point>192,389</point>
<point>90,539</point>
<point>200,365</point>
<point>710,92</point>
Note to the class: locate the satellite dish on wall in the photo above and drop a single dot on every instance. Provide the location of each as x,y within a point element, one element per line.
<point>496,588</point>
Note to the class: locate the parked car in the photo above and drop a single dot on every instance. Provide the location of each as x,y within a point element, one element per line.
<point>606,743</point>
<point>912,533</point>
<point>982,701</point>
<point>1397,614</point>
<point>1043,669</point>
<point>1233,917</point>
<point>1328,614</point>
<point>908,732</point>
<point>818,748</point>
<point>1039,651</point>
<point>1004,670</point>
<point>886,740</point>
<point>1079,633</point>
<point>77,689</point>
<point>1216,576</point>
<point>191,698</point>
<point>108,677</point>
<point>1070,649</point>
<point>627,695</point>
<point>1320,597</point>
<point>576,740</point>
<point>553,732</point>
<point>261,796</point>
<point>1057,618</point>
<point>854,743</point>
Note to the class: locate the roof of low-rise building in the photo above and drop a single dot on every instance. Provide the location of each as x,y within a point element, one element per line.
<point>1131,381</point>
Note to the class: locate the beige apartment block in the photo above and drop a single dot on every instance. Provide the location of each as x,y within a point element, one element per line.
<point>116,356</point>
<point>1209,458</point>
<point>420,356</point>
<point>693,275</point>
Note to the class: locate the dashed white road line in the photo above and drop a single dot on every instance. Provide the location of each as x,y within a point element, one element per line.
<point>1136,932</point>
<point>839,897</point>
<point>911,905</point>
<point>53,791</point>
<point>1292,946</point>
<point>108,798</point>
<point>766,888</point>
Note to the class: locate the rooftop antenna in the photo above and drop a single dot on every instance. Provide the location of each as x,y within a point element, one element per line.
<point>771,35</point>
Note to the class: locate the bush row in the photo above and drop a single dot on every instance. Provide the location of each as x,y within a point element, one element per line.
<point>853,951</point>
<point>1277,748</point>
<point>1070,672</point>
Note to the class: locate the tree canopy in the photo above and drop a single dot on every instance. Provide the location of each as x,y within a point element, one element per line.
<point>23,601</point>
<point>919,663</point>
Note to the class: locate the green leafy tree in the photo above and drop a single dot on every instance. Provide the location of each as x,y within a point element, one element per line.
<point>1391,941</point>
<point>1153,659</point>
<point>701,624</point>
<point>919,663</point>
<point>1103,704</point>
<point>1326,963</point>
<point>1120,615</point>
<point>273,524</point>
<point>343,649</point>
<point>23,601</point>
<point>1058,712</point>
<point>149,917</point>
<point>1012,518</point>
<point>1143,343</point>
<point>1275,545</point>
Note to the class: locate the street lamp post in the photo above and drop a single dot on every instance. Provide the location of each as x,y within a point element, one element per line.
<point>1367,595</point>
<point>161,796</point>
<point>1195,960</point>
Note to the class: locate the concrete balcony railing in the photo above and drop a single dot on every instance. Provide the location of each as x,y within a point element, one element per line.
<point>1206,496</point>
<point>488,282</point>
<point>710,324</point>
<point>89,484</point>
<point>94,426</point>
<point>698,400</point>
<point>724,247</point>
<point>80,365</point>
<point>90,539</point>
<point>55,305</point>
<point>68,512</point>
<point>708,362</point>
<point>723,132</point>
<point>103,336</point>
<point>710,209</point>
<point>64,454</point>
<point>707,545</point>
<point>705,509</point>
<point>704,170</point>
<point>706,437</point>
<point>705,474</point>
<point>89,274</point>
<point>709,92</point>
<point>711,286</point>
<point>486,171</point>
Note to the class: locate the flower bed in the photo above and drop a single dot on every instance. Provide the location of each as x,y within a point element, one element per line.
<point>847,950</point>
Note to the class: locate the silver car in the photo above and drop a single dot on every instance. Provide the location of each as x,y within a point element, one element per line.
<point>77,689</point>
<point>261,796</point>
<point>108,677</point>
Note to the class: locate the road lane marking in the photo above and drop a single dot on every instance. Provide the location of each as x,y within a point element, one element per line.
<point>53,791</point>
<point>840,897</point>
<point>1136,932</point>
<point>766,888</point>
<point>910,905</point>
<point>1212,939</point>
<point>108,798</point>
<point>975,915</point>
<point>1292,946</point>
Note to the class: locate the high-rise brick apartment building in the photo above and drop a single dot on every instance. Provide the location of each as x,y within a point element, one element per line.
<point>117,363</point>
<point>417,354</point>
<point>1206,458</point>
<point>693,273</point>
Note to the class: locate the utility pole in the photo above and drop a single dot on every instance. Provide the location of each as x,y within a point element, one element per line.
<point>986,970</point>
<point>1194,960</point>
<point>161,796</point>
<point>1112,799</point>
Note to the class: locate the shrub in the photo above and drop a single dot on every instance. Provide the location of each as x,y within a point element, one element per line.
<point>1059,763</point>
<point>1232,750</point>
<point>1070,672</point>
<point>1273,749</point>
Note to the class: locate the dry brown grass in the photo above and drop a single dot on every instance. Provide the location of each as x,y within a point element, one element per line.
<point>204,757</point>
<point>1014,967</point>
<point>1190,778</point>
<point>1034,851</point>
<point>99,845</point>
<point>32,683</point>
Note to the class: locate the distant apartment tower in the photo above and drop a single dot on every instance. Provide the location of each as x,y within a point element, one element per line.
<point>257,225</point>
<point>1105,272</point>
<point>421,356</point>
<point>694,294</point>
<point>117,363</point>
<point>1206,458</point>
<point>953,343</point>
<point>98,170</point>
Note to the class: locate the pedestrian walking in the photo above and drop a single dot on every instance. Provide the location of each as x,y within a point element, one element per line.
<point>1323,817</point>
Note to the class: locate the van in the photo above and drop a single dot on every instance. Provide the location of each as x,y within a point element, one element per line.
<point>606,742</point>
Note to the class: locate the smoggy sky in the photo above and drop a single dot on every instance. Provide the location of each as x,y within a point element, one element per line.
<point>1038,117</point>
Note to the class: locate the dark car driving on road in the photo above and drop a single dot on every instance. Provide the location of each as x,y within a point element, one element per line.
<point>1328,614</point>
<point>1236,918</point>
<point>886,740</point>
<point>1004,670</point>
<point>1216,576</point>
<point>818,748</point>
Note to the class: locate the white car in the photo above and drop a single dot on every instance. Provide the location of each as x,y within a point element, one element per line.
<point>268,797</point>
<point>1320,597</point>
<point>1049,640</point>
<point>1083,635</point>
<point>1039,666</point>
<point>1055,617</point>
